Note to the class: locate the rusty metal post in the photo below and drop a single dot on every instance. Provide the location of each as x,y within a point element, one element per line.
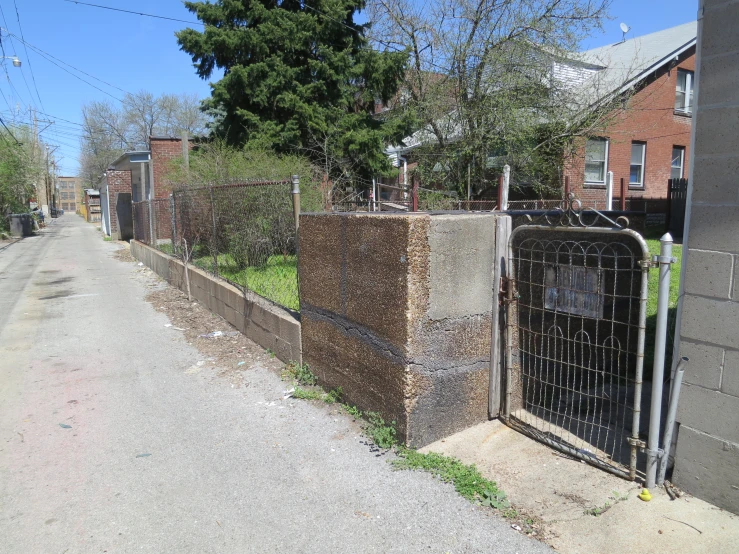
<point>414,195</point>
<point>296,201</point>
<point>623,195</point>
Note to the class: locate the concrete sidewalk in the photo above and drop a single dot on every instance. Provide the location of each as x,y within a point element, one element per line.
<point>565,495</point>
<point>110,442</point>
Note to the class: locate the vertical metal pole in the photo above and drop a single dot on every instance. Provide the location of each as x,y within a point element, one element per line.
<point>500,193</point>
<point>623,195</point>
<point>567,189</point>
<point>185,149</point>
<point>609,191</point>
<point>151,223</point>
<point>296,201</point>
<point>671,416</point>
<point>665,261</point>
<point>469,183</point>
<point>214,238</point>
<point>173,215</point>
<point>639,378</point>
<point>506,186</point>
<point>414,194</point>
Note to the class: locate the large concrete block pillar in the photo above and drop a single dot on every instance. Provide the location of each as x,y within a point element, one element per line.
<point>396,310</point>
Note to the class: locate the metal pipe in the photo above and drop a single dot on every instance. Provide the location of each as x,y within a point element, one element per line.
<point>665,261</point>
<point>677,383</point>
<point>623,195</point>
<point>296,201</point>
<point>609,191</point>
<point>639,378</point>
<point>506,186</point>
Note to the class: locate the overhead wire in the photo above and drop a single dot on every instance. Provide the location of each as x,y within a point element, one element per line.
<point>136,13</point>
<point>52,59</point>
<point>28,58</point>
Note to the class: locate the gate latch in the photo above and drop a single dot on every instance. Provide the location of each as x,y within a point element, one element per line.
<point>639,443</point>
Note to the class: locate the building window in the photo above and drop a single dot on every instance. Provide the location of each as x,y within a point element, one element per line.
<point>684,92</point>
<point>678,162</point>
<point>636,173</point>
<point>596,161</point>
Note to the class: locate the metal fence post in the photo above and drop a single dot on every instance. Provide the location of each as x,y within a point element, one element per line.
<point>173,215</point>
<point>214,237</point>
<point>506,187</point>
<point>609,191</point>
<point>296,201</point>
<point>665,261</point>
<point>151,222</point>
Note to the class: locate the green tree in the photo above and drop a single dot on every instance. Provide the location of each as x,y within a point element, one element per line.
<point>20,168</point>
<point>296,72</point>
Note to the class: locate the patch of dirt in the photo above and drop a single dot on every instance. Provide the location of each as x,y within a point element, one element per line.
<point>231,353</point>
<point>124,253</point>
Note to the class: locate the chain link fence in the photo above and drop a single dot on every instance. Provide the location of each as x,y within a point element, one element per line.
<point>243,233</point>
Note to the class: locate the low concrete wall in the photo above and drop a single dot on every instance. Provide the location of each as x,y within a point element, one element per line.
<point>397,311</point>
<point>266,324</point>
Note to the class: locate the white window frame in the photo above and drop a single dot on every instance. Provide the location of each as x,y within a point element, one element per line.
<point>682,162</point>
<point>687,106</point>
<point>643,164</point>
<point>605,161</point>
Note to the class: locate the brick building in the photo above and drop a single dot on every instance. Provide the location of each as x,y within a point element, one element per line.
<point>135,177</point>
<point>69,193</point>
<point>646,141</point>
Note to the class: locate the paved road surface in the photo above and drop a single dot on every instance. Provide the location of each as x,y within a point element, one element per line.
<point>229,470</point>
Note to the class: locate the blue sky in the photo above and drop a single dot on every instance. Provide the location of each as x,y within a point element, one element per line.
<point>134,53</point>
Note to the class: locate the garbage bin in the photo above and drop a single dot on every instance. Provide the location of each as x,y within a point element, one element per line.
<point>21,225</point>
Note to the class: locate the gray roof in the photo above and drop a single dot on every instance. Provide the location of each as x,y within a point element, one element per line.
<point>625,63</point>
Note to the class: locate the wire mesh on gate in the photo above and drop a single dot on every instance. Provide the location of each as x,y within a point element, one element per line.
<point>243,233</point>
<point>576,342</point>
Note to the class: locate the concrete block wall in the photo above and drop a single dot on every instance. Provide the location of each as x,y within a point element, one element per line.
<point>118,182</point>
<point>396,310</point>
<point>266,324</point>
<point>707,455</point>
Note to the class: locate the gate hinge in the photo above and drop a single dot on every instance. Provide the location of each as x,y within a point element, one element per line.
<point>505,282</point>
<point>639,443</point>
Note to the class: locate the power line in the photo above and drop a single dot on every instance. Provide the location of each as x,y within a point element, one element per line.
<point>9,131</point>
<point>51,59</point>
<point>136,13</point>
<point>33,77</point>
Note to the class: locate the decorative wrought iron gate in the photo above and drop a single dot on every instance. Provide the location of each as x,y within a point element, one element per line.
<point>576,318</point>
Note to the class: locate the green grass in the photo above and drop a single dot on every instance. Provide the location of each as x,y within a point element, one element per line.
<point>652,237</point>
<point>277,280</point>
<point>467,479</point>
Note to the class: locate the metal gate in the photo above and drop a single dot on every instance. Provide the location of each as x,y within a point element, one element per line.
<point>576,316</point>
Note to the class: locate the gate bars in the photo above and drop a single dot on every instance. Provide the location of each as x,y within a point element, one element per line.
<point>575,329</point>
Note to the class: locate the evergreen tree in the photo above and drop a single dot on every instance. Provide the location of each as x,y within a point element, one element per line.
<point>299,75</point>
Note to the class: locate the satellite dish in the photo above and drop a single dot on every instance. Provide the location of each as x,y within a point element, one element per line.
<point>625,28</point>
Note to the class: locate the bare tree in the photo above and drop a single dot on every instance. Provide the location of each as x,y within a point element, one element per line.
<point>483,82</point>
<point>110,129</point>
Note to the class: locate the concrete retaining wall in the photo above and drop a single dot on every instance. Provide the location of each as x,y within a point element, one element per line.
<point>397,311</point>
<point>266,324</point>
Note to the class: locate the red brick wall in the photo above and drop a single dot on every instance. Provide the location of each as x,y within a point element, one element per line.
<point>163,150</point>
<point>118,181</point>
<point>650,118</point>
